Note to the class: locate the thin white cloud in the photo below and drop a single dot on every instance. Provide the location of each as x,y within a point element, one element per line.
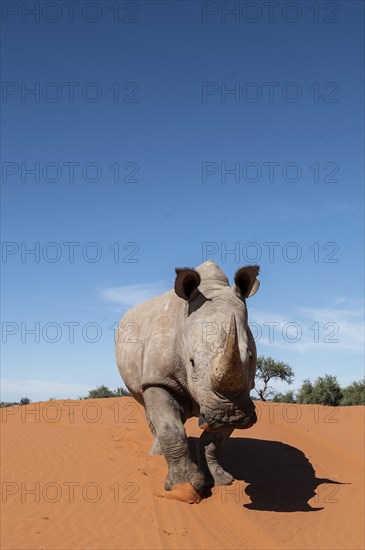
<point>350,322</point>
<point>131,295</point>
<point>331,329</point>
<point>342,206</point>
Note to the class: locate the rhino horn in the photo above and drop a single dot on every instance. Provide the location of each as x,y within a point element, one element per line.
<point>227,376</point>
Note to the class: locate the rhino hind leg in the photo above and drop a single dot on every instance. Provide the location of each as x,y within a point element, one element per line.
<point>165,416</point>
<point>209,447</point>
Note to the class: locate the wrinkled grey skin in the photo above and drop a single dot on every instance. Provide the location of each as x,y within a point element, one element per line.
<point>190,352</point>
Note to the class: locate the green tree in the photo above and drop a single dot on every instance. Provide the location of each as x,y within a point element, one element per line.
<point>325,391</point>
<point>305,394</point>
<point>121,392</point>
<point>100,391</point>
<point>269,369</point>
<point>24,401</point>
<point>287,397</point>
<point>354,394</point>
<point>104,391</point>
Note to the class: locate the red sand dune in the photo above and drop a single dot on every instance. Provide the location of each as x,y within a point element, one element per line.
<point>76,475</point>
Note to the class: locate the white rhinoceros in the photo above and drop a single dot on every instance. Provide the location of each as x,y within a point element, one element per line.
<point>190,352</point>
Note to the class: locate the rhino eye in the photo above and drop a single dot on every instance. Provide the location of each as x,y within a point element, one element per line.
<point>192,362</point>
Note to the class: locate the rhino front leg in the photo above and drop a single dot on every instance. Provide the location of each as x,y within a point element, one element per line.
<point>156,447</point>
<point>209,447</point>
<point>165,416</point>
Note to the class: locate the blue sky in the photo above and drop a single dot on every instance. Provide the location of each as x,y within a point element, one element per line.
<point>133,131</point>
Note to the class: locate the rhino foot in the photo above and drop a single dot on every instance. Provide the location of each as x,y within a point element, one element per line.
<point>209,447</point>
<point>184,492</point>
<point>192,476</point>
<point>220,476</point>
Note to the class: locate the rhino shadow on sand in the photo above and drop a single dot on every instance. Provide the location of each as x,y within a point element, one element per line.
<point>280,477</point>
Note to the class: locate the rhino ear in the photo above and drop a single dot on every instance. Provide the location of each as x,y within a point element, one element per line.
<point>186,282</point>
<point>245,280</point>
